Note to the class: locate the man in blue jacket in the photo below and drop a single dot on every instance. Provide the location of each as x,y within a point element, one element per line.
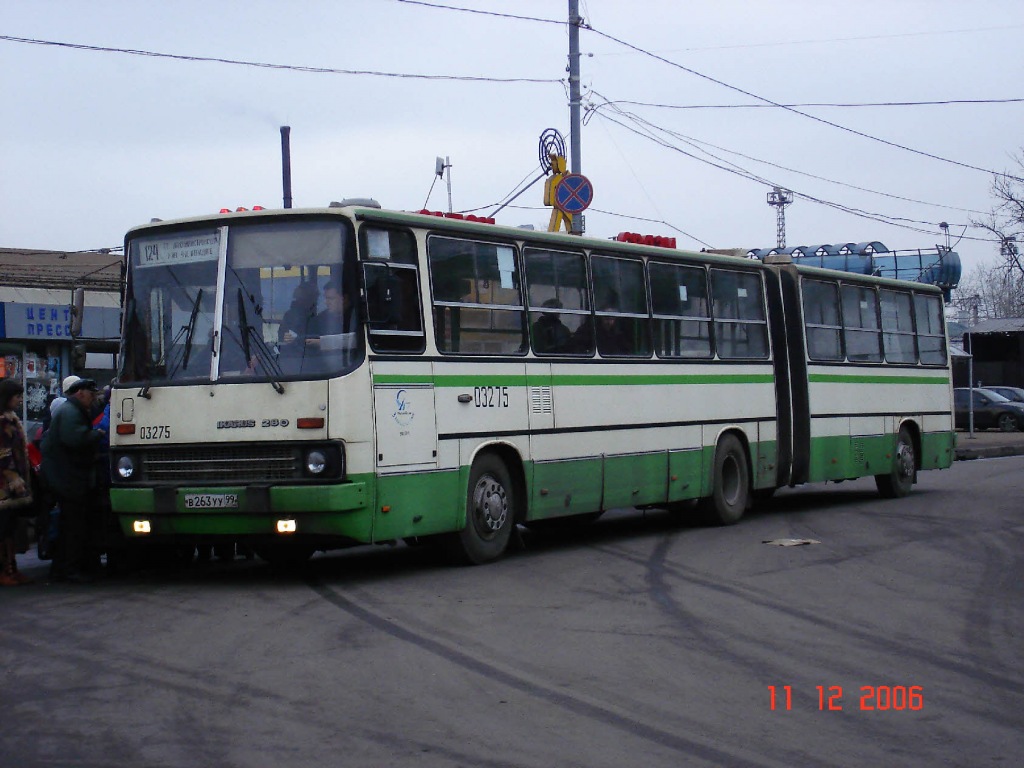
<point>69,450</point>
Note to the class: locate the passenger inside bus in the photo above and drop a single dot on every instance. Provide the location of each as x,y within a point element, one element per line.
<point>550,335</point>
<point>299,317</point>
<point>334,328</point>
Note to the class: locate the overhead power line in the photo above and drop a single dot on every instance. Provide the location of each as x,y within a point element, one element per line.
<point>267,65</point>
<point>729,167</point>
<point>698,144</point>
<point>442,7</point>
<point>819,104</point>
<point>818,41</point>
<point>821,120</point>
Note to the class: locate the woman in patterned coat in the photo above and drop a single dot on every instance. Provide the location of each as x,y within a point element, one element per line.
<point>15,480</point>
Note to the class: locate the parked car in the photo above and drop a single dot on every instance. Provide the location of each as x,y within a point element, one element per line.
<point>1016,394</point>
<point>991,410</point>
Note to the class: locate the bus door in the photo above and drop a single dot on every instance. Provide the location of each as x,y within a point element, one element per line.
<point>791,377</point>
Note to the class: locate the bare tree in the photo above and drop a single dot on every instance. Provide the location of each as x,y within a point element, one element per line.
<point>1006,221</point>
<point>991,291</point>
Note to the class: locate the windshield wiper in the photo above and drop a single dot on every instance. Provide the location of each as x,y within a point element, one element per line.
<point>189,331</point>
<point>263,353</point>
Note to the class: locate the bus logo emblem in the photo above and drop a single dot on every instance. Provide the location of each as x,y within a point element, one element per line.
<point>403,414</point>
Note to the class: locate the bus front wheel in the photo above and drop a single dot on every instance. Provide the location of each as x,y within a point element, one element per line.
<point>900,479</point>
<point>730,489</point>
<point>490,512</point>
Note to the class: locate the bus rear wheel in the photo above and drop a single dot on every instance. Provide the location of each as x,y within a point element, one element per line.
<point>730,483</point>
<point>900,479</point>
<point>490,513</point>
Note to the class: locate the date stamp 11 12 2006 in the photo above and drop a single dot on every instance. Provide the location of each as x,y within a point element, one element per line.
<point>869,698</point>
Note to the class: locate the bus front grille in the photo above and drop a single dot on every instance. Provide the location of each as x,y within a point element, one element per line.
<point>222,465</point>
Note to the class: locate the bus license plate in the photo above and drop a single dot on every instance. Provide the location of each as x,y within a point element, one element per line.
<point>211,501</point>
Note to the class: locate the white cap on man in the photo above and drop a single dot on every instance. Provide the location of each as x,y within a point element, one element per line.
<point>68,381</point>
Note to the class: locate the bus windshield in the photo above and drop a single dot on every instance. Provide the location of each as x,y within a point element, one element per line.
<point>266,300</point>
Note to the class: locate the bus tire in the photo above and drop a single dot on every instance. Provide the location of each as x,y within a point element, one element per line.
<point>490,512</point>
<point>730,483</point>
<point>900,479</point>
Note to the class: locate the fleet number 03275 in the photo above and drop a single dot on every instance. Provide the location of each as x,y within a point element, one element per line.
<point>160,432</point>
<point>490,397</point>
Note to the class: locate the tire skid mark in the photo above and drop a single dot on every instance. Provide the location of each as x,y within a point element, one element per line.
<point>601,712</point>
<point>661,594</point>
<point>1004,568</point>
<point>142,672</point>
<point>757,597</point>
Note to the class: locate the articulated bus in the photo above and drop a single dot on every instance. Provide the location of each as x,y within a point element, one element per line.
<point>311,379</point>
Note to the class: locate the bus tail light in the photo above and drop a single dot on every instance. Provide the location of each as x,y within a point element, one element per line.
<point>141,526</point>
<point>286,526</point>
<point>126,429</point>
<point>310,423</point>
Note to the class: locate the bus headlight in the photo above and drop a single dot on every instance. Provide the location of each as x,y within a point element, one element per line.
<point>316,462</point>
<point>125,467</point>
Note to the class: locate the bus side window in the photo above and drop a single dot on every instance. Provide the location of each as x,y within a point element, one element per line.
<point>559,302</point>
<point>821,320</point>
<point>394,319</point>
<point>898,327</point>
<point>931,337</point>
<point>478,302</point>
<point>682,314</point>
<point>737,305</point>
<point>861,332</point>
<point>620,301</point>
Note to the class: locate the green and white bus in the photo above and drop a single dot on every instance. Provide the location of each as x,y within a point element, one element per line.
<point>477,377</point>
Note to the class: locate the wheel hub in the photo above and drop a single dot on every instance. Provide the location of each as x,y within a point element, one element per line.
<point>490,503</point>
<point>905,460</point>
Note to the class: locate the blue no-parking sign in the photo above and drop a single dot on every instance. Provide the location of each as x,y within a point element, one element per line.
<point>574,194</point>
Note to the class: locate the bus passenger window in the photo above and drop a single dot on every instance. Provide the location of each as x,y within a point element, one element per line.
<point>861,332</point>
<point>620,298</point>
<point>478,305</point>
<point>821,320</point>
<point>737,305</point>
<point>559,302</point>
<point>898,327</point>
<point>682,314</point>
<point>931,336</point>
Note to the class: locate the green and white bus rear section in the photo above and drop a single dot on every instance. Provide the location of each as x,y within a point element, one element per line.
<point>490,377</point>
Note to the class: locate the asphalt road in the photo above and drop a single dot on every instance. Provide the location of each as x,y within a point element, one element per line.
<point>636,642</point>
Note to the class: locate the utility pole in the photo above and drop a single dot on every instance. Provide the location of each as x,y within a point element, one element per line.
<point>574,99</point>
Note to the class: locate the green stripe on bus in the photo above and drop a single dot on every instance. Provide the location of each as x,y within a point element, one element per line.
<point>574,380</point>
<point>402,379</point>
<point>842,378</point>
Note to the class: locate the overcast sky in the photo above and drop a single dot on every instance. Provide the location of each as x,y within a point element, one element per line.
<point>95,142</point>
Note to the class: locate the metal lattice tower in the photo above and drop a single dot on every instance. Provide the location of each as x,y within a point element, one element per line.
<point>780,198</point>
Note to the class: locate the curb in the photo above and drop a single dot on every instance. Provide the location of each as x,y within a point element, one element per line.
<point>988,452</point>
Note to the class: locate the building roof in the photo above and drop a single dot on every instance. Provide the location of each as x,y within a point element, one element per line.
<point>92,270</point>
<point>1000,325</point>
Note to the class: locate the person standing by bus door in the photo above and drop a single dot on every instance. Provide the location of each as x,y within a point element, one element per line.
<point>69,449</point>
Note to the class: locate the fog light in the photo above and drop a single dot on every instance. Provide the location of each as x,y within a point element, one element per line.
<point>316,462</point>
<point>286,526</point>
<point>125,467</point>
<point>141,526</point>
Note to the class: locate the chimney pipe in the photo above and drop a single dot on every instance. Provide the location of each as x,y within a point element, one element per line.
<point>286,164</point>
